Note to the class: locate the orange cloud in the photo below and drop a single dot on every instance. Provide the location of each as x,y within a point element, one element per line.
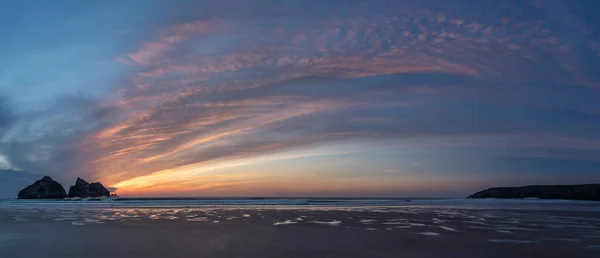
<point>179,107</point>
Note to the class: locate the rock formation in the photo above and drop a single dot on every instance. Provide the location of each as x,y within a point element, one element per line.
<point>83,189</point>
<point>45,188</point>
<point>568,192</point>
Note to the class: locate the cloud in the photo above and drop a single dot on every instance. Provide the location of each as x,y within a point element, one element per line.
<point>4,163</point>
<point>6,115</point>
<point>150,51</point>
<point>12,181</point>
<point>214,89</point>
<point>227,82</point>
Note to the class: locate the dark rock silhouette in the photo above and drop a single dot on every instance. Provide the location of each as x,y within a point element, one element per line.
<point>45,188</point>
<point>589,192</point>
<point>80,189</point>
<point>83,189</point>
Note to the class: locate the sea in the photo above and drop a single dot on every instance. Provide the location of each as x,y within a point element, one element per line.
<point>299,202</point>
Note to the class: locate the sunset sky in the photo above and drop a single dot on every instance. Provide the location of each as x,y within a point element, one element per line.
<point>299,98</point>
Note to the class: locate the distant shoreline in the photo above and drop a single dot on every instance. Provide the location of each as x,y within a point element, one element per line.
<point>583,192</point>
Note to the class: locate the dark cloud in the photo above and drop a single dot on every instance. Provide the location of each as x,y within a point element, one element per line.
<point>12,181</point>
<point>44,142</point>
<point>6,114</point>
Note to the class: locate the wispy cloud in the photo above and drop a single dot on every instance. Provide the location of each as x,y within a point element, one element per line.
<point>231,82</point>
<point>220,89</point>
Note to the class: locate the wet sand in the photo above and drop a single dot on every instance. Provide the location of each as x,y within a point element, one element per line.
<point>318,232</point>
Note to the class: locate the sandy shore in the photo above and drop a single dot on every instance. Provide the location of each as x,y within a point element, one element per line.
<point>272,232</point>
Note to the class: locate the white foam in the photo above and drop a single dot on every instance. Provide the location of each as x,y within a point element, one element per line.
<point>429,233</point>
<point>287,222</point>
<point>77,223</point>
<point>593,247</point>
<point>370,229</point>
<point>246,215</point>
<point>331,223</point>
<point>504,231</point>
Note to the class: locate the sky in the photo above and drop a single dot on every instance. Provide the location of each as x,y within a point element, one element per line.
<point>430,98</point>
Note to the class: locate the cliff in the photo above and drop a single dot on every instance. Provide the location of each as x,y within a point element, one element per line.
<point>568,192</point>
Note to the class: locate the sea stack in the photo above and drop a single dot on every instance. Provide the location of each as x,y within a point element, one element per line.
<point>45,188</point>
<point>590,192</point>
<point>83,189</point>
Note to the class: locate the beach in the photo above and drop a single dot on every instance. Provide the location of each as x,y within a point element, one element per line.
<point>570,229</point>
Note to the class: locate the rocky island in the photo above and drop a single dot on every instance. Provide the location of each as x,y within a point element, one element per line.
<point>48,188</point>
<point>45,188</point>
<point>588,192</point>
<point>83,189</point>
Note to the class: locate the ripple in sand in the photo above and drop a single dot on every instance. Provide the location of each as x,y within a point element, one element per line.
<point>63,219</point>
<point>287,222</point>
<point>102,217</point>
<point>511,241</point>
<point>476,222</point>
<point>504,228</point>
<point>200,219</point>
<point>428,233</point>
<point>20,219</point>
<point>448,229</point>
<point>367,221</point>
<point>330,223</point>
<point>560,239</point>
